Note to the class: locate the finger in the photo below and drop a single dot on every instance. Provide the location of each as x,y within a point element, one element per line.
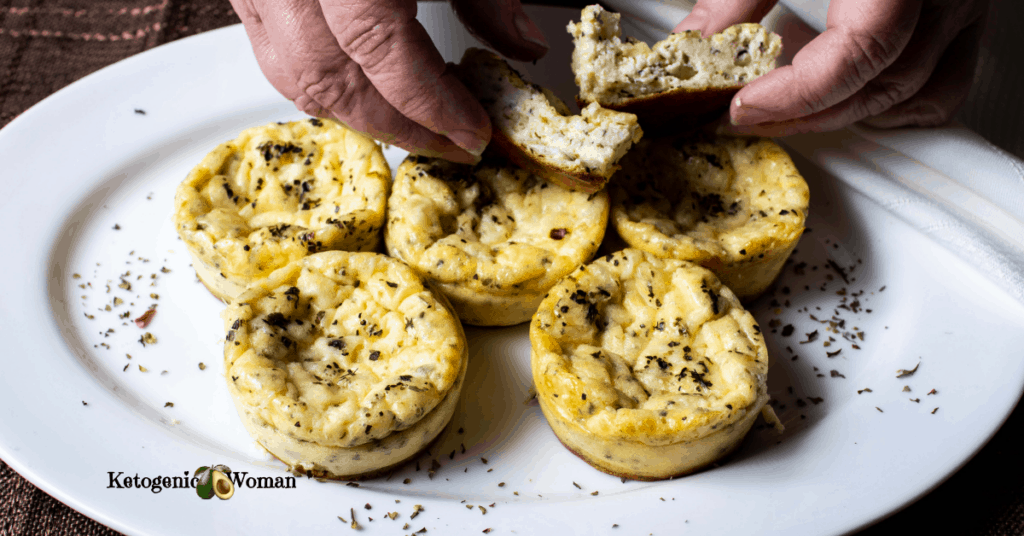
<point>265,54</point>
<point>904,79</point>
<point>713,16</point>
<point>399,59</point>
<point>323,81</point>
<point>946,90</point>
<point>861,40</point>
<point>504,26</point>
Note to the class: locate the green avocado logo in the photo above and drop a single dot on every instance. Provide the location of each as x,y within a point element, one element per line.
<point>214,480</point>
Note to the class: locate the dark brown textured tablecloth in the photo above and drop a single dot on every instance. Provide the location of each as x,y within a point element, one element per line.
<point>47,44</point>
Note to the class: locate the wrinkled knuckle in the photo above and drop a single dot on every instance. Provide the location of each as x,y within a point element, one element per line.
<point>370,44</point>
<point>326,88</point>
<point>308,106</point>
<point>884,94</point>
<point>809,102</point>
<point>869,54</point>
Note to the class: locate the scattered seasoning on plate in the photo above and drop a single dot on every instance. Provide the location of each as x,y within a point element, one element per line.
<point>84,403</point>
<point>864,390</point>
<point>836,374</point>
<point>202,366</point>
<point>117,227</point>
<point>577,485</point>
<point>140,111</point>
<point>934,410</point>
<point>879,409</point>
<point>901,373</point>
<point>169,405</point>
<point>143,369</point>
<point>933,392</point>
<point>416,509</point>
<point>144,320</point>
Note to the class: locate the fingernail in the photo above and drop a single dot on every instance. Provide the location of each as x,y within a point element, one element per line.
<point>468,140</point>
<point>529,31</point>
<point>748,115</point>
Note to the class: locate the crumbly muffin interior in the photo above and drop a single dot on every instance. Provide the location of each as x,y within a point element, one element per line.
<point>542,125</point>
<point>610,69</point>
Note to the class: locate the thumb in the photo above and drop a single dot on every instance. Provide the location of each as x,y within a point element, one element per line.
<point>503,25</point>
<point>713,16</point>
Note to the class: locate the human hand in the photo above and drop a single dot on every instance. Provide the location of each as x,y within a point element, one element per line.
<point>889,63</point>
<point>371,65</point>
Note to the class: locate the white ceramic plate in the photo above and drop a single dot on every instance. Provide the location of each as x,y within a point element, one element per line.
<point>87,188</point>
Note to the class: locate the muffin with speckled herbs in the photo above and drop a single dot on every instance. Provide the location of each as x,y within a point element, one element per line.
<point>494,237</point>
<point>736,206</point>
<point>277,193</point>
<point>344,365</point>
<point>647,368</point>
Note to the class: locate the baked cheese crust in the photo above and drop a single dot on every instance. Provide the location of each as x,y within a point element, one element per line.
<point>734,205</point>
<point>492,237</point>
<point>343,364</point>
<point>538,131</point>
<point>647,368</point>
<point>682,78</point>
<point>276,194</point>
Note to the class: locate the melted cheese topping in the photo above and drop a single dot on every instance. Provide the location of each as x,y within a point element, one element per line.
<point>280,192</point>
<point>610,70</point>
<point>696,199</point>
<point>653,351</point>
<point>341,349</point>
<point>492,229</point>
<point>541,124</point>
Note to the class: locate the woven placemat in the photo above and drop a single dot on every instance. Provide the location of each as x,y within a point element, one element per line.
<point>46,45</point>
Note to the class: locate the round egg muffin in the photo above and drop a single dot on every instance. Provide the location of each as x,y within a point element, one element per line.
<point>734,205</point>
<point>492,237</point>
<point>647,368</point>
<point>276,194</point>
<point>344,365</point>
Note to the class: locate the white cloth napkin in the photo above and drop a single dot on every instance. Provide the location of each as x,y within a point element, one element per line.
<point>949,182</point>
